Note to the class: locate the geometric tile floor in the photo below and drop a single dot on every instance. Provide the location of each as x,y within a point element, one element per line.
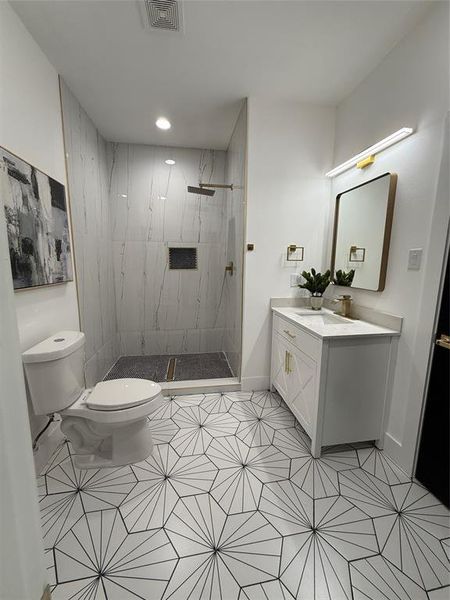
<point>232,506</point>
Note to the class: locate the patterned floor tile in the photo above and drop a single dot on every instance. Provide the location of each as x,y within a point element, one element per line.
<point>189,400</point>
<point>242,471</point>
<point>216,403</point>
<point>219,553</point>
<point>162,430</point>
<point>239,396</point>
<point>292,442</point>
<point>163,478</point>
<point>99,488</point>
<point>58,513</point>
<point>267,399</point>
<point>440,594</point>
<point>97,558</point>
<point>314,563</point>
<point>377,579</point>
<point>198,428</point>
<point>318,477</point>
<point>169,407</point>
<point>374,461</point>
<point>287,507</point>
<point>446,547</point>
<point>409,523</point>
<point>258,424</point>
<point>271,590</point>
<point>232,506</point>
<point>370,494</point>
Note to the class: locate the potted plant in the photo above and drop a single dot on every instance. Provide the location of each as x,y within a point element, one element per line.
<point>316,284</point>
<point>344,279</point>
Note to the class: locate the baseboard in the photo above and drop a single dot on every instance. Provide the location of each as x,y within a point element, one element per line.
<point>393,449</point>
<point>47,444</point>
<point>255,384</point>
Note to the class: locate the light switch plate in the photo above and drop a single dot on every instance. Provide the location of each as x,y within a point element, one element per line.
<point>415,259</point>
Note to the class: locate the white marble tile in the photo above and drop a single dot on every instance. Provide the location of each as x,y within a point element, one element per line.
<point>87,167</point>
<point>159,310</point>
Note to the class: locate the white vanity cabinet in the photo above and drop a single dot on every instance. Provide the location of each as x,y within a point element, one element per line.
<point>337,385</point>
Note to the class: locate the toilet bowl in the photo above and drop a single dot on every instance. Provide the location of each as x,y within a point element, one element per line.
<point>107,425</point>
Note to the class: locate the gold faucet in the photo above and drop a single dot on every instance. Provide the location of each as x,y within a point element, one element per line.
<point>346,305</point>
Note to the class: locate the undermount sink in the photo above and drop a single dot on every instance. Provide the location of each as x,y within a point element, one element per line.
<point>323,318</point>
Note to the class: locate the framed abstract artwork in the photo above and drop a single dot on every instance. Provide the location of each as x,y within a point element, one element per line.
<point>37,223</point>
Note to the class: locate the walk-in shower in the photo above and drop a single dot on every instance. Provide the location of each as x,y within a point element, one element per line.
<point>153,255</point>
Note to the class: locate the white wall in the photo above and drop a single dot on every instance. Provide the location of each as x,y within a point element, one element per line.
<point>22,568</point>
<point>30,126</point>
<point>289,149</point>
<point>409,88</point>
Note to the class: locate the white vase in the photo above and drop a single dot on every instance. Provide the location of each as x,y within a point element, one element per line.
<point>316,302</point>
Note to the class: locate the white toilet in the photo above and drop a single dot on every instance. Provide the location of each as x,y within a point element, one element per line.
<point>107,425</point>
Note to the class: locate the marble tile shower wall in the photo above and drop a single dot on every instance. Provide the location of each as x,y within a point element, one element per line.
<point>90,209</point>
<point>235,173</point>
<point>162,311</point>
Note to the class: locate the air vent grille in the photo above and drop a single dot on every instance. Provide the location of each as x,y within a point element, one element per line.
<point>182,258</point>
<point>163,14</point>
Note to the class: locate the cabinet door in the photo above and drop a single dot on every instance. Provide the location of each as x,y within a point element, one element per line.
<point>279,365</point>
<point>302,387</point>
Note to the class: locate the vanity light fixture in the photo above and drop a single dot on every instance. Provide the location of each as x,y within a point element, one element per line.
<point>371,151</point>
<point>163,123</point>
<point>170,162</point>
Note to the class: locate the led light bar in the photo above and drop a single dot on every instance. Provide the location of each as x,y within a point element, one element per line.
<point>378,147</point>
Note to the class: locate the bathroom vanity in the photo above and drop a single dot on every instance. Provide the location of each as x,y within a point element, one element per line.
<point>335,374</point>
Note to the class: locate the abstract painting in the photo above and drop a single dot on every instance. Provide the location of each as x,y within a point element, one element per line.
<point>37,224</point>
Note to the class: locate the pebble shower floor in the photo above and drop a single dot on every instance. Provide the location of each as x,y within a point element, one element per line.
<point>232,506</point>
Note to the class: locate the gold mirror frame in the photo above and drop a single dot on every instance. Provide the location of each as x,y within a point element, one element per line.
<point>387,227</point>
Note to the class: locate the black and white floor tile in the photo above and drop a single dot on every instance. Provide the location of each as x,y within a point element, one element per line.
<point>232,506</point>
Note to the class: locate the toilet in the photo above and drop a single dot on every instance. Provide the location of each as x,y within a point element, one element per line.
<point>107,425</point>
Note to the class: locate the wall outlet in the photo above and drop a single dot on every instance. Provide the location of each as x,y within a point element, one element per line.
<point>415,259</point>
<point>294,279</point>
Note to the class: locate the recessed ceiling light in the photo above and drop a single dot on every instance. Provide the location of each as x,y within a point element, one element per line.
<point>162,197</point>
<point>169,161</point>
<point>124,195</point>
<point>163,123</point>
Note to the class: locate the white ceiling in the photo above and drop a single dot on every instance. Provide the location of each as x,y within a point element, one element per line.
<point>126,76</point>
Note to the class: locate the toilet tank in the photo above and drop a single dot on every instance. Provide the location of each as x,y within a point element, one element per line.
<point>54,370</point>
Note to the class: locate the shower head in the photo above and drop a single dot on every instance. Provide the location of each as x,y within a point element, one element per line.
<point>207,192</point>
<point>200,190</point>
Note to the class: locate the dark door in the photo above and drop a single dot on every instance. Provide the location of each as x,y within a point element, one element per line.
<point>433,463</point>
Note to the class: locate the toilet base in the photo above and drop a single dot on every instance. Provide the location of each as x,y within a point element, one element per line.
<point>98,445</point>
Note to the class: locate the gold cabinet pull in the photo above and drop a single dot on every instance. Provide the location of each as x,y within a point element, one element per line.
<point>287,362</point>
<point>443,341</point>
<point>291,335</point>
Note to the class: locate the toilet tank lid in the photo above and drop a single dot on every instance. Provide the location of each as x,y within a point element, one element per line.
<point>56,346</point>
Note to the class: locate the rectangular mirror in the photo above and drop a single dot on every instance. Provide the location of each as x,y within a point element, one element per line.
<point>362,231</point>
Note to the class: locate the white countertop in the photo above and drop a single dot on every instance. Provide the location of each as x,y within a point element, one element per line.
<point>326,324</point>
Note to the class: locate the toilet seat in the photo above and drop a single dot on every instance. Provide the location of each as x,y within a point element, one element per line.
<point>117,408</point>
<point>117,394</point>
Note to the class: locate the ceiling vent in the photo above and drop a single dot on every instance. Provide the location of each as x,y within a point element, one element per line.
<point>163,15</point>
